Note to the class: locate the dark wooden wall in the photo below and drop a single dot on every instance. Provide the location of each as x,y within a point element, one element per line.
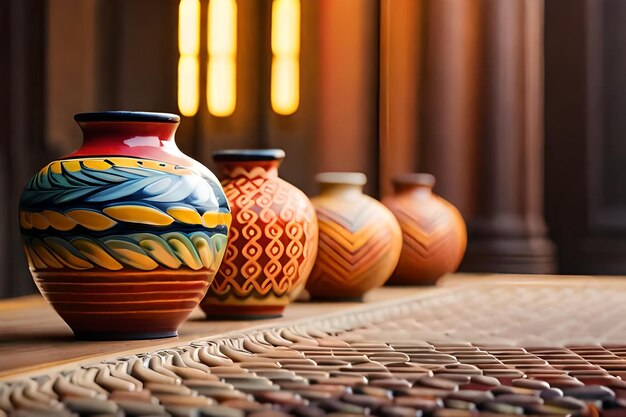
<point>22,94</point>
<point>585,134</point>
<point>459,88</point>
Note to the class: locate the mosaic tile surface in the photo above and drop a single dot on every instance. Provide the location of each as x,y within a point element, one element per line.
<point>485,351</point>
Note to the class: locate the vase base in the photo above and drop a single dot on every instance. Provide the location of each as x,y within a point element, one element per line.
<point>322,299</point>
<point>126,335</point>
<point>412,283</point>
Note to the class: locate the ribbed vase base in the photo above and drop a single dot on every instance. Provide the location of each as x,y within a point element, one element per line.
<point>125,336</point>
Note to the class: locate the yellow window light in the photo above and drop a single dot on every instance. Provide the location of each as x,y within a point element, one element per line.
<point>189,63</point>
<point>222,50</point>
<point>221,87</point>
<point>189,27</point>
<point>222,29</point>
<point>286,27</point>
<point>188,80</point>
<point>285,85</point>
<point>285,79</point>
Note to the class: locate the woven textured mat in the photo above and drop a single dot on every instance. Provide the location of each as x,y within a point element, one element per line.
<point>481,350</point>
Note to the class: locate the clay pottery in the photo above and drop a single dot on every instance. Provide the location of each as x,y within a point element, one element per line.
<point>359,239</point>
<point>124,236</point>
<point>273,240</point>
<point>433,231</point>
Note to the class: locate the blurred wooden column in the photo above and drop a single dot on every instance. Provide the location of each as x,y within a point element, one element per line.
<point>400,49</point>
<point>347,133</point>
<point>481,133</point>
<point>449,98</point>
<point>507,231</point>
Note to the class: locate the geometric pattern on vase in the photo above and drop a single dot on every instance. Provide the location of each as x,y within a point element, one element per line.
<point>425,238</point>
<point>123,247</point>
<point>359,246</point>
<point>433,233</point>
<point>271,247</point>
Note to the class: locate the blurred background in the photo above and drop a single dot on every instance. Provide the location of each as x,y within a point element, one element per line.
<point>516,106</point>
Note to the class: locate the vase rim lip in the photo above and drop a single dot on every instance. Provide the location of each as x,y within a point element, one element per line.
<point>126,116</point>
<point>341,178</point>
<point>415,178</point>
<point>238,155</point>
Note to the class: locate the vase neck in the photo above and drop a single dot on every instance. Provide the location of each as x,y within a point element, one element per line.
<point>128,131</point>
<point>341,190</point>
<point>419,184</point>
<point>147,139</point>
<point>419,190</point>
<point>249,163</point>
<point>341,184</point>
<point>248,169</point>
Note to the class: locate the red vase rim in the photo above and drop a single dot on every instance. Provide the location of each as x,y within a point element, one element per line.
<point>127,116</point>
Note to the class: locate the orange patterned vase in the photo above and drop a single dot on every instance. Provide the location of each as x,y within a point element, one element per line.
<point>433,231</point>
<point>359,239</point>
<point>125,235</point>
<point>272,243</point>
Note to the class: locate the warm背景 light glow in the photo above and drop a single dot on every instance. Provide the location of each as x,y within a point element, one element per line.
<point>188,63</point>
<point>285,78</point>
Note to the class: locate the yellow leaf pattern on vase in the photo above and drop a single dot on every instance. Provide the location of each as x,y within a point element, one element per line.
<point>25,220</point>
<point>144,213</point>
<point>45,255</point>
<point>58,220</point>
<point>55,167</point>
<point>219,246</point>
<point>67,254</point>
<point>96,254</point>
<point>91,219</point>
<point>131,254</point>
<point>184,249</point>
<point>210,219</point>
<point>72,165</point>
<point>139,214</point>
<point>97,164</point>
<point>204,250</point>
<point>30,253</point>
<point>185,215</point>
<point>38,221</point>
<point>158,250</point>
<point>144,251</point>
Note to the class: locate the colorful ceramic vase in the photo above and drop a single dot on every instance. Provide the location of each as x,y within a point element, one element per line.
<point>273,240</point>
<point>433,231</point>
<point>359,239</point>
<point>125,235</point>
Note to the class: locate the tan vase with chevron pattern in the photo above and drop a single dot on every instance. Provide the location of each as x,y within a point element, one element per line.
<point>433,231</point>
<point>359,239</point>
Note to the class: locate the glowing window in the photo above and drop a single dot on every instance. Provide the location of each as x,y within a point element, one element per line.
<point>189,62</point>
<point>222,54</point>
<point>285,79</point>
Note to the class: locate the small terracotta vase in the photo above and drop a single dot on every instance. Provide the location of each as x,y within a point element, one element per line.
<point>359,239</point>
<point>124,236</point>
<point>433,231</point>
<point>273,240</point>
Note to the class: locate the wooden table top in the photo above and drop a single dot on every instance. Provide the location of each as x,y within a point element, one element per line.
<point>34,339</point>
